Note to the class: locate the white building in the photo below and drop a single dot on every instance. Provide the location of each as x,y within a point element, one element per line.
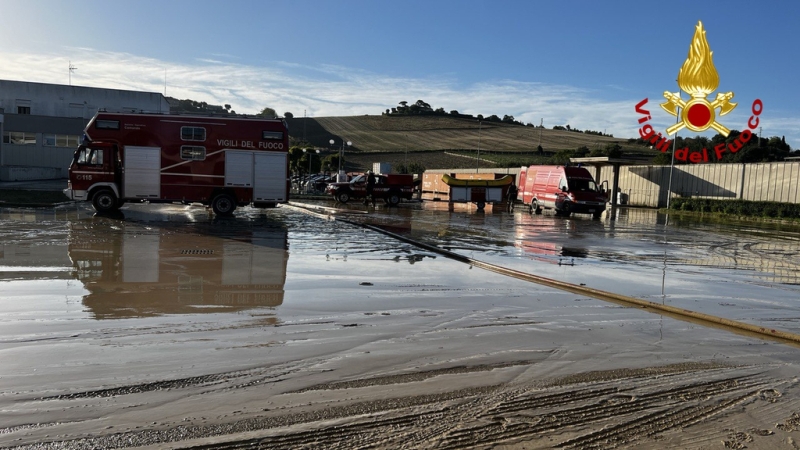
<point>41,124</point>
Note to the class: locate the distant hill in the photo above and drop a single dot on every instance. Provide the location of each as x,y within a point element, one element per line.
<point>440,141</point>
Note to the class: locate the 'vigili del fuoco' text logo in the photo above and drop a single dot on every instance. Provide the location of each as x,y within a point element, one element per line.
<point>698,77</point>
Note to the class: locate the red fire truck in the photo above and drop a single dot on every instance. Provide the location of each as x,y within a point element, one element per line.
<point>222,162</point>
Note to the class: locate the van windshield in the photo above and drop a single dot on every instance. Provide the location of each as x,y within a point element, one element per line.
<point>582,185</point>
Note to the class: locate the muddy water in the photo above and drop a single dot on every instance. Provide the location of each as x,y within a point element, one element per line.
<point>741,271</point>
<point>166,325</point>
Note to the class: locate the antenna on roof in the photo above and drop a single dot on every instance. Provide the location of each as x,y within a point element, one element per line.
<point>71,69</point>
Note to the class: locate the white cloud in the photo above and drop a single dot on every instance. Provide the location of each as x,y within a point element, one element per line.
<point>329,90</point>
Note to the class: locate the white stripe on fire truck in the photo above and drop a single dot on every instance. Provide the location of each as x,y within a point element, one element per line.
<point>191,160</point>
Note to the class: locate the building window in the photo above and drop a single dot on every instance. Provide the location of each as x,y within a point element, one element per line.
<point>23,106</point>
<point>193,153</point>
<point>60,140</point>
<point>19,138</point>
<point>193,133</point>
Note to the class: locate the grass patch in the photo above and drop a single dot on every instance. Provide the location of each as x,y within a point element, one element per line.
<point>737,208</point>
<point>21,197</point>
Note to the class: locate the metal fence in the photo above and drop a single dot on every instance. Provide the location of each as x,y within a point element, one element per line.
<point>650,185</point>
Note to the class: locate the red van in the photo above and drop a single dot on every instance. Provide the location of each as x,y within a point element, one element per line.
<point>565,189</point>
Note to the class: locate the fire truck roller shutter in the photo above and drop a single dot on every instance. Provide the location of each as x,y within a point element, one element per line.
<point>142,177</point>
<point>270,177</point>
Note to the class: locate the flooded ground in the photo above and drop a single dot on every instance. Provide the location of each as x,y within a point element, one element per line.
<point>167,327</point>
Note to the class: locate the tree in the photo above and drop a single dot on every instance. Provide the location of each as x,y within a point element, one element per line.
<point>562,156</point>
<point>539,149</point>
<point>581,151</point>
<point>423,106</point>
<point>269,113</point>
<point>613,150</point>
<point>416,167</point>
<point>508,119</point>
<point>316,164</point>
<point>295,155</point>
<point>288,115</point>
<point>663,159</point>
<point>331,163</point>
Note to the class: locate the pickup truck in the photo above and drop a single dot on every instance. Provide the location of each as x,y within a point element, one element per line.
<point>391,188</point>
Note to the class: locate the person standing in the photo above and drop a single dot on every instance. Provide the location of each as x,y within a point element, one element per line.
<point>511,197</point>
<point>370,188</point>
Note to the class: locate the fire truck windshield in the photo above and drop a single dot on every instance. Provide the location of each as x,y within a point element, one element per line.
<point>89,156</point>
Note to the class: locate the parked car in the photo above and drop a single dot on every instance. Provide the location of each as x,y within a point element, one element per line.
<point>322,182</point>
<point>391,188</point>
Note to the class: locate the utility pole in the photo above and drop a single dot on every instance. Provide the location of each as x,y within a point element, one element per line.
<point>71,69</point>
<point>478,158</point>
<point>405,160</point>
<point>541,125</point>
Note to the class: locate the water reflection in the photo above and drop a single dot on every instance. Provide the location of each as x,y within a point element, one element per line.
<point>538,238</point>
<point>140,270</point>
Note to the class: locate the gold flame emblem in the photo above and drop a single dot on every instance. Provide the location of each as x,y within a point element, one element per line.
<point>698,77</point>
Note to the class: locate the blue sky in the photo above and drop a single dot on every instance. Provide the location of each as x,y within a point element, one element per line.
<point>583,63</point>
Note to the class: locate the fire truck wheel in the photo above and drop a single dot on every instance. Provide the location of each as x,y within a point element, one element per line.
<point>481,205</point>
<point>535,208</point>
<point>343,197</point>
<point>393,199</point>
<point>104,201</point>
<point>223,205</point>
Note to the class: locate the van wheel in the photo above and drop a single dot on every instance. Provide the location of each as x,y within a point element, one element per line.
<point>567,209</point>
<point>223,205</point>
<point>535,208</point>
<point>597,215</point>
<point>104,201</point>
<point>481,205</point>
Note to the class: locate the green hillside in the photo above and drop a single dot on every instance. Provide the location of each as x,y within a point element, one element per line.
<point>441,141</point>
